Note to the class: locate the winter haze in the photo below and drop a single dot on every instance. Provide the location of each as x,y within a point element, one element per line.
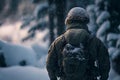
<point>28,27</point>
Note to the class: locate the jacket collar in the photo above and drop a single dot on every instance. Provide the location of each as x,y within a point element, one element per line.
<point>77,26</point>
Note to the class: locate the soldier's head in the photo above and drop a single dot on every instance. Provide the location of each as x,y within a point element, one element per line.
<point>77,15</point>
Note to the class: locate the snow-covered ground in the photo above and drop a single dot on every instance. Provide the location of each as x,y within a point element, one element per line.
<point>14,51</point>
<point>23,73</point>
<point>14,54</point>
<point>113,75</point>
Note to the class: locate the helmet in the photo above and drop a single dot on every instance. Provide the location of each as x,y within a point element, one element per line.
<point>77,14</point>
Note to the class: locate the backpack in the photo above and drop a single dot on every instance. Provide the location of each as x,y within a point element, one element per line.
<point>75,60</point>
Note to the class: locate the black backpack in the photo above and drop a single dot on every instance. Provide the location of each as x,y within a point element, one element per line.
<point>75,60</point>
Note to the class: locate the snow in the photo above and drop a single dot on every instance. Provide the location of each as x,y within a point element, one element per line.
<point>117,78</point>
<point>113,36</point>
<point>102,30</point>
<point>26,21</point>
<point>75,50</point>
<point>1,51</point>
<point>118,43</point>
<point>116,54</point>
<point>72,48</point>
<point>40,10</point>
<point>104,27</point>
<point>11,32</point>
<point>111,50</point>
<point>91,12</point>
<point>97,11</point>
<point>102,17</point>
<point>78,11</point>
<point>40,50</point>
<point>23,73</point>
<point>113,75</point>
<point>97,2</point>
<point>15,53</point>
<point>42,62</point>
<point>119,27</point>
<point>92,24</point>
<point>90,8</point>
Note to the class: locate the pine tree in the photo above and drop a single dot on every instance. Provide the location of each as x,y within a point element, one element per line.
<point>51,19</point>
<point>2,4</point>
<point>60,14</point>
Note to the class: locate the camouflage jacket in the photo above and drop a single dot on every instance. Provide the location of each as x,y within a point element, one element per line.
<point>74,36</point>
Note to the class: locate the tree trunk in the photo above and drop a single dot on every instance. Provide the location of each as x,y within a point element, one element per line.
<point>79,3</point>
<point>51,20</point>
<point>114,10</point>
<point>60,13</point>
<point>2,4</point>
<point>13,6</point>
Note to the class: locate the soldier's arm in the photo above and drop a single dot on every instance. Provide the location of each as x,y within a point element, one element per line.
<point>103,61</point>
<point>51,63</point>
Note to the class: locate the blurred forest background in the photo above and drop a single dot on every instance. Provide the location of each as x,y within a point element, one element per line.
<point>28,27</point>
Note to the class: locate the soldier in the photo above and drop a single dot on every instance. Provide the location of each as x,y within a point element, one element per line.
<point>77,32</point>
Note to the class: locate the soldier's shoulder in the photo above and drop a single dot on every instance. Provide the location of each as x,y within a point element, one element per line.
<point>56,43</point>
<point>97,41</point>
<point>58,40</point>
